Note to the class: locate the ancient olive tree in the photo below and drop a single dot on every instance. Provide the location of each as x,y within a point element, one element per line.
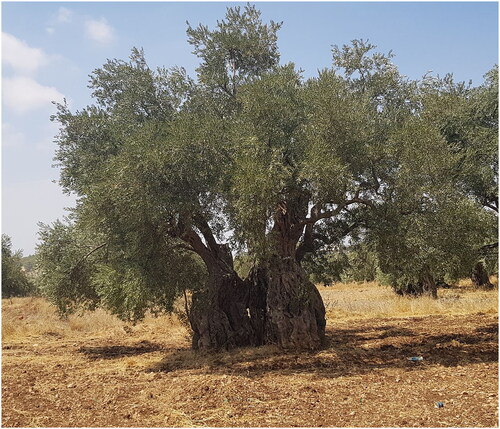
<point>174,175</point>
<point>151,163</point>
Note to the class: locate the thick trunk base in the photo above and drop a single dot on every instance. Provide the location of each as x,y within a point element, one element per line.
<point>277,304</point>
<point>295,317</point>
<point>219,316</point>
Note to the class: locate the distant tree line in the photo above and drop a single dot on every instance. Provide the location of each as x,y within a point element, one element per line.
<point>15,281</point>
<point>359,263</point>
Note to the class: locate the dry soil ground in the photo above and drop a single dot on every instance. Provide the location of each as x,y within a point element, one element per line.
<point>96,371</point>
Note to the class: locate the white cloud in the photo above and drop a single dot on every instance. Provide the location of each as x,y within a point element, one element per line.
<point>23,94</point>
<point>21,57</point>
<point>64,15</point>
<point>50,30</point>
<point>99,31</point>
<point>11,138</point>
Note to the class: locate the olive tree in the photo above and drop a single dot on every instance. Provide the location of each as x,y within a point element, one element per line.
<point>174,175</point>
<point>437,218</point>
<point>150,164</point>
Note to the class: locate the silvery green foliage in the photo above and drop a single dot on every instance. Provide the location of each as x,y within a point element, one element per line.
<point>128,274</point>
<point>441,238</point>
<point>444,202</point>
<point>240,49</point>
<point>149,162</point>
<point>166,168</point>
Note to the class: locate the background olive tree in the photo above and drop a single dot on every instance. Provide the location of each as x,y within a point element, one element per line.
<point>15,282</point>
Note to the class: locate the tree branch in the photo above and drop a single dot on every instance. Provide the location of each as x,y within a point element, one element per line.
<point>202,224</point>
<point>73,271</point>
<point>90,253</point>
<point>330,213</point>
<point>307,244</point>
<point>184,246</point>
<point>487,249</point>
<point>490,206</point>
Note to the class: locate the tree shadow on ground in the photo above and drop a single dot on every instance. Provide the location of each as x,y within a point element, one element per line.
<point>348,352</point>
<point>117,352</point>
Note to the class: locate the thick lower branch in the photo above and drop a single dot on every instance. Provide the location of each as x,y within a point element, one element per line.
<point>84,258</point>
<point>201,223</point>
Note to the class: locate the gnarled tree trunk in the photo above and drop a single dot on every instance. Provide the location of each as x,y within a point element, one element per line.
<point>294,315</point>
<point>480,277</point>
<point>285,307</point>
<point>276,304</point>
<point>295,309</point>
<point>219,316</point>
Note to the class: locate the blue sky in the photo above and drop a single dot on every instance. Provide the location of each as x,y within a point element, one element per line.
<point>49,49</point>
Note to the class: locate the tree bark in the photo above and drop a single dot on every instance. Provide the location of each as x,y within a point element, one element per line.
<point>257,284</point>
<point>295,315</point>
<point>429,285</point>
<point>480,277</point>
<point>294,311</point>
<point>276,304</point>
<point>219,316</point>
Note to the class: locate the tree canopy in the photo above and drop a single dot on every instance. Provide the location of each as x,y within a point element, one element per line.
<point>174,175</point>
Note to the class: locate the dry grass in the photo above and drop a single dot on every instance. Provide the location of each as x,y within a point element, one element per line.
<point>34,317</point>
<point>95,371</point>
<point>370,300</point>
<point>29,317</point>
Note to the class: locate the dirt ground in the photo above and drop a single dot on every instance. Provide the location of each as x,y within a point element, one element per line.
<point>146,376</point>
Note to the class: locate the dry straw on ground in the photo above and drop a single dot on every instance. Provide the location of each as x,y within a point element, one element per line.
<point>95,371</point>
<point>370,300</point>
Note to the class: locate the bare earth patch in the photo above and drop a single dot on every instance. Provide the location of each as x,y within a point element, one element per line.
<point>146,375</point>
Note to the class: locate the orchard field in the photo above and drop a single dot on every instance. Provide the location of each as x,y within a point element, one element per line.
<point>96,371</point>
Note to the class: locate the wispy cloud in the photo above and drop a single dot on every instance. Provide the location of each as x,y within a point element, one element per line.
<point>61,17</point>
<point>22,58</point>
<point>64,15</point>
<point>22,94</point>
<point>99,31</point>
